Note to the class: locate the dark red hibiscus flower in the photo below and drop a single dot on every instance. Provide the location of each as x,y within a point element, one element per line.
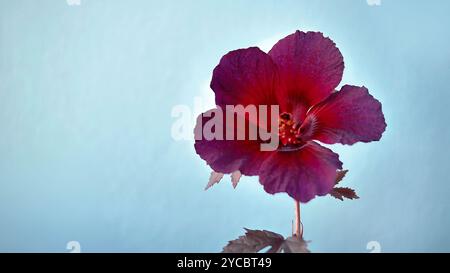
<point>300,74</point>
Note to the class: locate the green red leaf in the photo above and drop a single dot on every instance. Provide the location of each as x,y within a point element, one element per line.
<point>214,178</point>
<point>340,175</point>
<point>341,193</point>
<point>256,240</point>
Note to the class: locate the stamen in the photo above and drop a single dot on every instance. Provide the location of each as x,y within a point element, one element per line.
<point>287,130</point>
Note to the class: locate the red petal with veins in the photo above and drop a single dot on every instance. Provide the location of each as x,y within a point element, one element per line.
<point>245,76</point>
<point>227,156</point>
<point>310,67</point>
<point>346,117</point>
<point>303,174</point>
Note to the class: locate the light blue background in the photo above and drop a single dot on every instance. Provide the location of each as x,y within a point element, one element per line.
<point>86,153</point>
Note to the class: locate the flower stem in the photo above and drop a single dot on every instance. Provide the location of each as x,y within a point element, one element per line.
<point>298,224</point>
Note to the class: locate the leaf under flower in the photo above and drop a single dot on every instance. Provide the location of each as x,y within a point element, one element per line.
<point>235,177</point>
<point>341,193</point>
<point>214,178</point>
<point>340,175</point>
<point>256,240</point>
<point>294,244</point>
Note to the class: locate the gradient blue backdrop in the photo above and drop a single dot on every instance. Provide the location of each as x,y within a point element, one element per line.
<point>86,153</point>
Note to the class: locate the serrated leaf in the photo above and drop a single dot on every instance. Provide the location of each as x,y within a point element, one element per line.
<point>235,177</point>
<point>214,178</point>
<point>341,193</point>
<point>294,244</point>
<point>253,241</point>
<point>340,175</point>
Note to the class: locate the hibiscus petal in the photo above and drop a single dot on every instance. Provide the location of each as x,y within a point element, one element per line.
<point>228,156</point>
<point>310,66</point>
<point>245,76</point>
<point>345,117</point>
<point>302,174</point>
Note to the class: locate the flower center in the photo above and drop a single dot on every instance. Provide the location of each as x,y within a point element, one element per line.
<point>288,132</point>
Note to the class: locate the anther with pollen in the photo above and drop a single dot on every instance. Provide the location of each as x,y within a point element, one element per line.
<point>288,130</point>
